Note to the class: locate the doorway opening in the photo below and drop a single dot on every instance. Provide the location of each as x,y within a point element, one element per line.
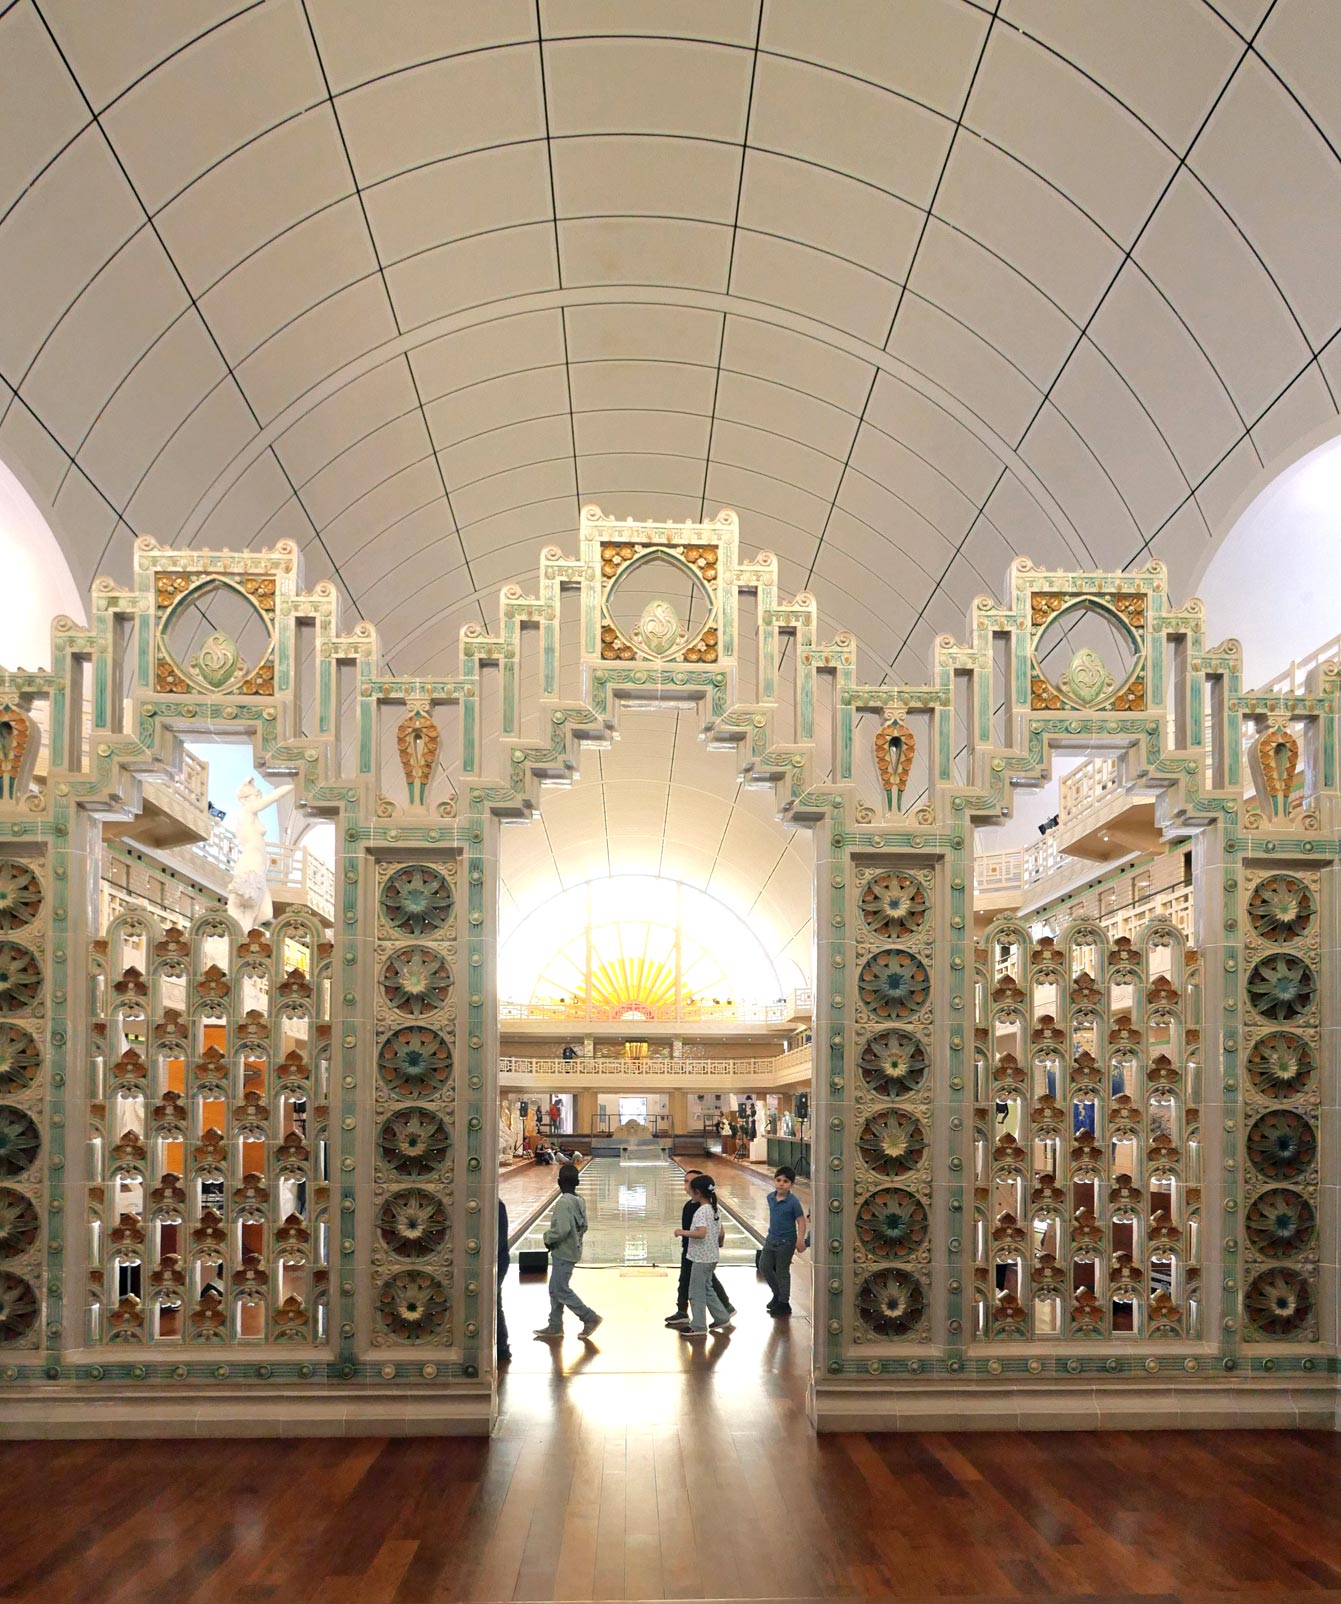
<point>655,962</point>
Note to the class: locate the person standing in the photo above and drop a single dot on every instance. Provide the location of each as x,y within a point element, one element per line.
<point>504,1260</point>
<point>786,1237</point>
<point>681,1315</point>
<point>564,1238</point>
<point>705,1245</point>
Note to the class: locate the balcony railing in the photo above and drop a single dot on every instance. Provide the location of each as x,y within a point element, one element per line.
<point>1292,680</point>
<point>296,871</point>
<point>190,784</point>
<point>293,873</point>
<point>1086,788</point>
<point>743,1073</point>
<point>799,1006</point>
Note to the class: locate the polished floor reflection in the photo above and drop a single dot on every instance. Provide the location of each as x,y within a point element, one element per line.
<point>642,1466</point>
<point>633,1206</point>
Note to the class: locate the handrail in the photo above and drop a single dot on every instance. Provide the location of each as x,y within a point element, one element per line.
<point>1088,786</point>
<point>288,869</point>
<point>578,1011</point>
<point>1291,681</point>
<point>742,1072</point>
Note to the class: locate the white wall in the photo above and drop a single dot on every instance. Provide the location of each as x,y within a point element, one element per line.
<point>1274,582</point>
<point>38,582</point>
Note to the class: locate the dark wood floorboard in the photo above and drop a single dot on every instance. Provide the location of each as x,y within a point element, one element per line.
<point>639,1467</point>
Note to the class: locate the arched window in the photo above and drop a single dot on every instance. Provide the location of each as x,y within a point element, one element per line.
<point>636,945</point>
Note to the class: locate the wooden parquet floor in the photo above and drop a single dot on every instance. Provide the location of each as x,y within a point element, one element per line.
<point>642,1467</point>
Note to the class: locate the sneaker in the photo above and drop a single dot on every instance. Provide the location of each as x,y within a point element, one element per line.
<point>680,1314</point>
<point>693,1331</point>
<point>781,1309</point>
<point>678,1322</point>
<point>591,1325</point>
<point>546,1334</point>
<point>721,1325</point>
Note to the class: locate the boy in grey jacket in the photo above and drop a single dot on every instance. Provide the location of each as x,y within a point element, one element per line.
<point>563,1238</point>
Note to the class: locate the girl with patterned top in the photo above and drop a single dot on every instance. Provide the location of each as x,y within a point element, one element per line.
<point>705,1237</point>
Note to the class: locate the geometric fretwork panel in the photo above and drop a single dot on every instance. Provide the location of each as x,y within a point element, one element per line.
<point>415,1102</point>
<point>1087,1151</point>
<point>1281,1101</point>
<point>24,1035</point>
<point>893,1087</point>
<point>209,1087</point>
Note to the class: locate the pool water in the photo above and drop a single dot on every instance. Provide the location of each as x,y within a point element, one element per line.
<point>633,1205</point>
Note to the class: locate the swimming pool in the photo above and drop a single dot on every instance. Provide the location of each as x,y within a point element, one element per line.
<point>633,1205</point>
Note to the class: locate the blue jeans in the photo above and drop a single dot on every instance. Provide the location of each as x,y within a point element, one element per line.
<point>703,1300</point>
<point>562,1296</point>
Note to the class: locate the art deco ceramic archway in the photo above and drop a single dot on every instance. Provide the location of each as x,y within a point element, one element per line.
<point>261,1162</point>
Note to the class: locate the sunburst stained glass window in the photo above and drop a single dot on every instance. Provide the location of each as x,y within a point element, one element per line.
<point>638,947</point>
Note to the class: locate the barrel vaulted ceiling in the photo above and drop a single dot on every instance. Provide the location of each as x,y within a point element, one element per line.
<point>914,285</point>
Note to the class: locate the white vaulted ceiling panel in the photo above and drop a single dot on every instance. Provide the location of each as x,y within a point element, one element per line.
<point>915,286</point>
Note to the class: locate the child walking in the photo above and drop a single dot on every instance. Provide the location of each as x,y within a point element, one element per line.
<point>681,1315</point>
<point>563,1238</point>
<point>705,1246</point>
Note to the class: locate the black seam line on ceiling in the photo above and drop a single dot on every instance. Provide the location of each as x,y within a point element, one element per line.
<point>767,883</point>
<point>940,176</point>
<point>1210,473</point>
<point>883,88</point>
<point>1004,151</point>
<point>177,50</point>
<point>908,273</point>
<point>670,783</point>
<point>743,315</point>
<point>779,435</point>
<point>925,300</point>
<point>530,540</point>
<point>85,126</point>
<point>803,243</point>
<point>1156,289</point>
<point>390,301</point>
<point>605,809</point>
<point>726,45</point>
<point>1269,66</point>
<point>1222,18</point>
<point>731,255</point>
<point>558,256</point>
<point>171,261</point>
<point>936,588</point>
<point>1135,241</point>
<point>1189,172</point>
<point>296,318</point>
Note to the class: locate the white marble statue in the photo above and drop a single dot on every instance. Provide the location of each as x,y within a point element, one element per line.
<point>248,892</point>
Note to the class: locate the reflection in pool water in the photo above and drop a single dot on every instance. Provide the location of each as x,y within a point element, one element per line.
<point>633,1206</point>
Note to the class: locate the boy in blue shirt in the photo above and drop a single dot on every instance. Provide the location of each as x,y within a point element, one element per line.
<point>786,1237</point>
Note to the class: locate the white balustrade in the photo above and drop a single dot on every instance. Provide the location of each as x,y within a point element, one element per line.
<point>745,1073</point>
<point>1292,680</point>
<point>697,1012</point>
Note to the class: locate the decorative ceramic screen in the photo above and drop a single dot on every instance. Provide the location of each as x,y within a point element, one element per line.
<point>1087,1150</point>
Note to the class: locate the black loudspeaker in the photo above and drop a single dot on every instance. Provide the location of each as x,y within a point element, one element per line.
<point>533,1261</point>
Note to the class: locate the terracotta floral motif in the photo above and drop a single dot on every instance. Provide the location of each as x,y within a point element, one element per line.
<point>17,735</point>
<point>417,742</point>
<point>1278,755</point>
<point>895,749</point>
